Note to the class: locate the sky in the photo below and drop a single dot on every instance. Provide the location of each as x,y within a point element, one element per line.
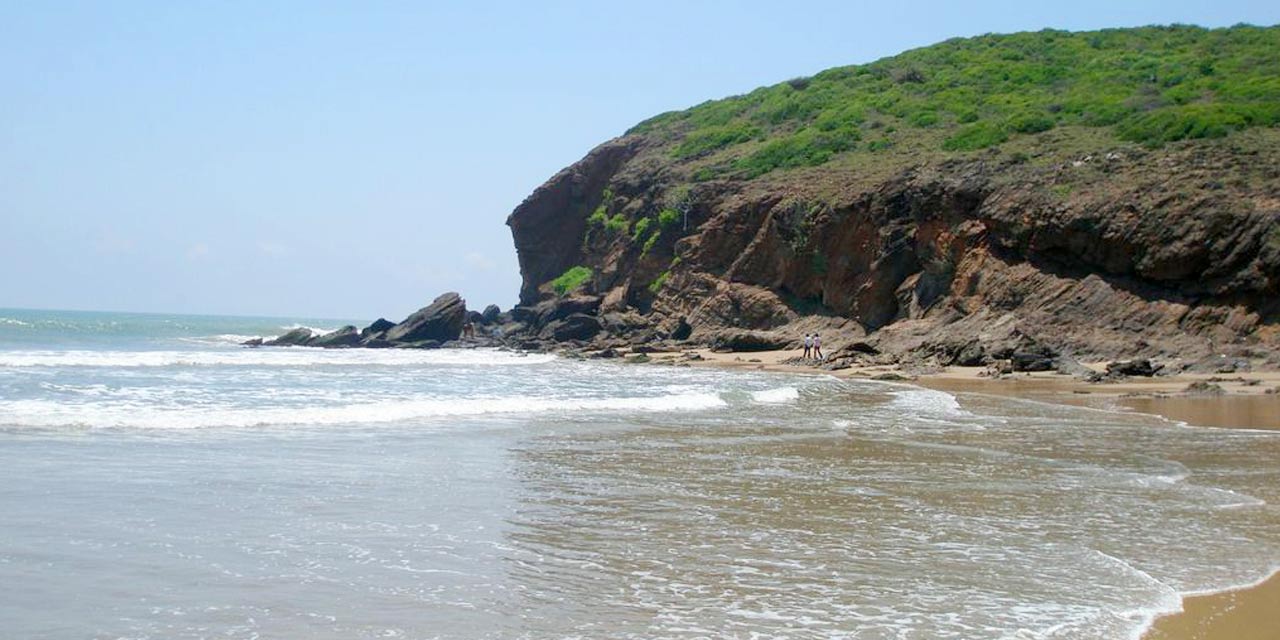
<point>354,160</point>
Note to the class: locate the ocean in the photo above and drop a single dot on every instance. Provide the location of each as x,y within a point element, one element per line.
<point>159,481</point>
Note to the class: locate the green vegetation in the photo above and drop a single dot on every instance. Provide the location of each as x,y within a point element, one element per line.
<point>648,244</point>
<point>713,138</point>
<point>641,228</point>
<point>570,280</point>
<point>601,213</point>
<point>597,217</point>
<point>616,224</point>
<point>978,135</point>
<point>1151,86</point>
<point>879,145</point>
<point>646,231</point>
<point>806,148</point>
<point>1031,122</point>
<point>668,217</point>
<point>659,282</point>
<point>1196,121</point>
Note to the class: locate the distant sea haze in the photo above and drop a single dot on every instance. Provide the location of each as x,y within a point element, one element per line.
<point>160,481</point>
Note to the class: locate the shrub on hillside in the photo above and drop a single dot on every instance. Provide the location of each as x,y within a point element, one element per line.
<point>668,217</point>
<point>570,280</point>
<point>979,135</point>
<point>714,138</point>
<point>1195,121</point>
<point>1150,85</point>
<point>806,148</point>
<point>1031,123</point>
<point>641,228</point>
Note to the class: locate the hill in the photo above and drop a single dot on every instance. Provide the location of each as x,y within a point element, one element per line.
<point>1097,194</point>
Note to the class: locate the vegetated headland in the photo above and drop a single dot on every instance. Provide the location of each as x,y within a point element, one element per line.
<point>1021,202</point>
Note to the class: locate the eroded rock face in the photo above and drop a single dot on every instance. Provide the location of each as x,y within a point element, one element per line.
<point>439,321</point>
<point>1170,254</point>
<point>549,225</point>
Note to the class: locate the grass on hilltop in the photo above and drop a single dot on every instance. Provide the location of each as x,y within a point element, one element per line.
<point>1151,86</point>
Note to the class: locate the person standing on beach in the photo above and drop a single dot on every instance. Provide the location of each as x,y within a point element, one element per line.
<point>817,347</point>
<point>808,344</point>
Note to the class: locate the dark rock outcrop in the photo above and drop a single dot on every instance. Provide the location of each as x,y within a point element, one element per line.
<point>440,321</point>
<point>562,205</point>
<point>1203,388</point>
<point>347,336</point>
<point>731,340</point>
<point>378,328</point>
<point>299,337</point>
<point>578,326</point>
<point>1024,361</point>
<point>556,308</point>
<point>1141,367</point>
<point>490,314</point>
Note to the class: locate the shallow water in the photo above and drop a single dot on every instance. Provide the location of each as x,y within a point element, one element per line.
<point>168,484</point>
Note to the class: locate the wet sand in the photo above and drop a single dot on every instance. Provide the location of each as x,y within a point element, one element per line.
<point>1247,614</point>
<point>1252,613</point>
<point>1244,403</point>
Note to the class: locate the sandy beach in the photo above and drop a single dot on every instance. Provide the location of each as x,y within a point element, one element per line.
<point>1244,401</point>
<point>1252,613</point>
<point>1246,614</point>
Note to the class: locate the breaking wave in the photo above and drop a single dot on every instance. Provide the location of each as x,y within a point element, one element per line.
<point>52,414</point>
<point>779,395</point>
<point>270,357</point>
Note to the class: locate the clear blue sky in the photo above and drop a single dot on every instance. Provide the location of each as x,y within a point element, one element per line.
<point>355,159</point>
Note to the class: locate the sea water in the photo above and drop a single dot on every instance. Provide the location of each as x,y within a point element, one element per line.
<point>159,481</point>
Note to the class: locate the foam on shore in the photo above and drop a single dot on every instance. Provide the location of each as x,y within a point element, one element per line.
<point>269,357</point>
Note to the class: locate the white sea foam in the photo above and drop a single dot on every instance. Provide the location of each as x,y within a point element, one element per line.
<point>14,322</point>
<point>928,404</point>
<point>225,338</point>
<point>997,572</point>
<point>316,330</point>
<point>270,357</point>
<point>52,414</point>
<point>779,395</point>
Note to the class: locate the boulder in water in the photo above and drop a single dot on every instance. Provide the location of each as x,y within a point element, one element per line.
<point>299,337</point>
<point>379,326</point>
<point>345,337</point>
<point>439,321</point>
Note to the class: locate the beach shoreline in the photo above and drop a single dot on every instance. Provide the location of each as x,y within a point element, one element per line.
<point>1239,400</point>
<point>1248,612</point>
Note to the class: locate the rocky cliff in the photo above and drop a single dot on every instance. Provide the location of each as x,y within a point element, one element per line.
<point>1104,214</point>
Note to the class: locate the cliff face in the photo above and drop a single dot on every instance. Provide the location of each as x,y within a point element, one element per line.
<point>1069,240</point>
<point>549,228</point>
